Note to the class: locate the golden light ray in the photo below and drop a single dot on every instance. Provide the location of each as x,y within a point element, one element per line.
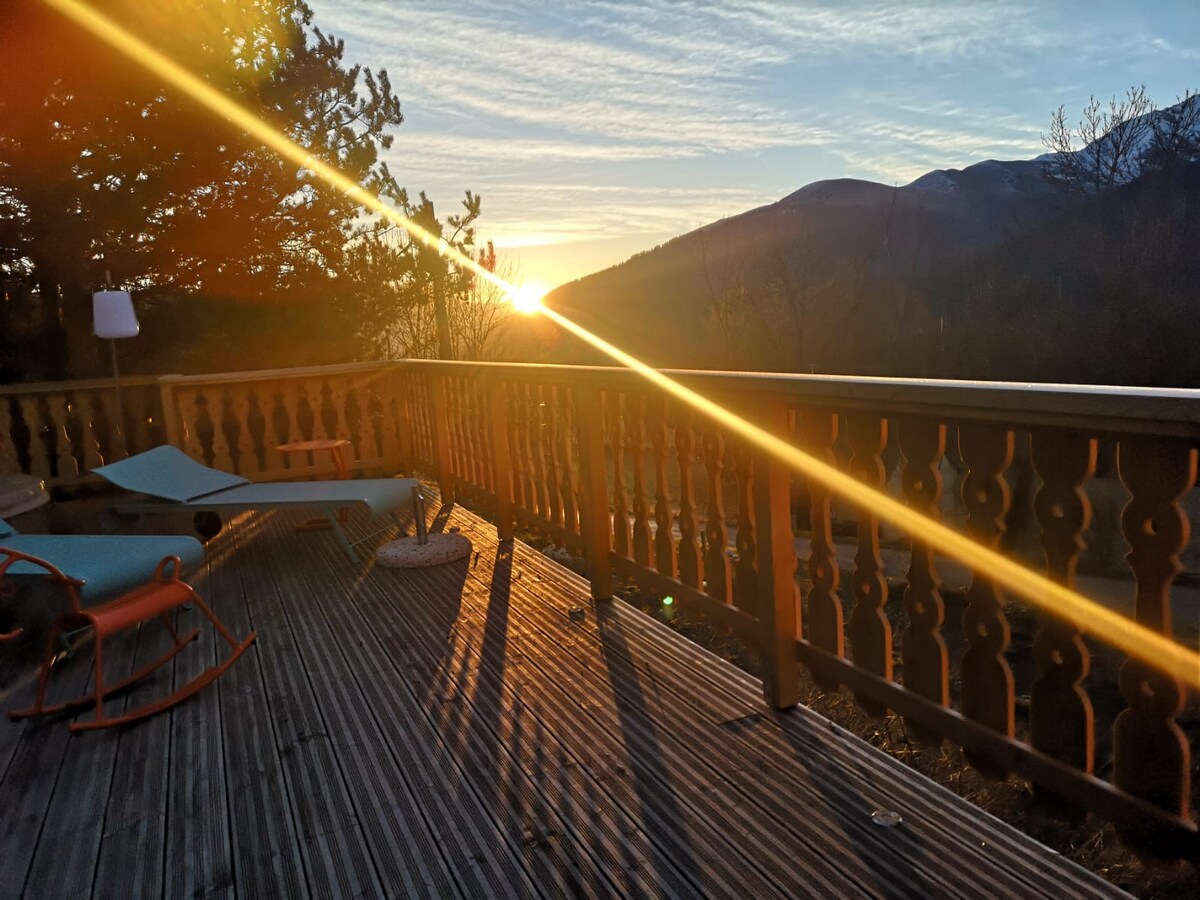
<point>1135,639</point>
<point>1085,614</point>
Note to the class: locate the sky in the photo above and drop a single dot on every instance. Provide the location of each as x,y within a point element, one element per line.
<point>594,129</point>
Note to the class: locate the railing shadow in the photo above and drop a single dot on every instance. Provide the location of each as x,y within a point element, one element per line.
<point>651,779</point>
<point>830,772</point>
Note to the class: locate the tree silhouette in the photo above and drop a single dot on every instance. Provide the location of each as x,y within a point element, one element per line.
<point>102,168</point>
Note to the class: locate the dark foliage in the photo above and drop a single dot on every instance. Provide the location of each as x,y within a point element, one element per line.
<point>237,258</point>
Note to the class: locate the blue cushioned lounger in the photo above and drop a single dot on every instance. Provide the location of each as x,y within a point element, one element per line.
<point>107,564</point>
<point>170,474</point>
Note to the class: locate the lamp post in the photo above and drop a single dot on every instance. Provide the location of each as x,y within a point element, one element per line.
<point>113,317</point>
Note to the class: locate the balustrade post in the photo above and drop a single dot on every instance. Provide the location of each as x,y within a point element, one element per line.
<point>1061,722</point>
<point>987,678</point>
<point>778,593</point>
<point>441,437</point>
<point>1151,754</point>
<point>870,628</point>
<point>502,475</point>
<point>402,425</point>
<point>594,521</point>
<point>826,615</point>
<point>923,649</point>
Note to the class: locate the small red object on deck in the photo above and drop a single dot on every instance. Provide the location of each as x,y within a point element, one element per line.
<point>152,600</point>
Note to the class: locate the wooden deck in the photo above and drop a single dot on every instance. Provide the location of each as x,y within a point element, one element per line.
<point>450,732</point>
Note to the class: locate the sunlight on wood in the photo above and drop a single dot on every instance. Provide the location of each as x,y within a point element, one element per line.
<point>1136,640</point>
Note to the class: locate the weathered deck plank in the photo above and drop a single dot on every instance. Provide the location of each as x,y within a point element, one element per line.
<point>512,758</point>
<point>198,857</point>
<point>266,857</point>
<point>767,757</point>
<point>451,732</point>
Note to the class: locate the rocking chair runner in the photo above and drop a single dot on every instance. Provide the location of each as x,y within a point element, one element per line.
<point>154,599</point>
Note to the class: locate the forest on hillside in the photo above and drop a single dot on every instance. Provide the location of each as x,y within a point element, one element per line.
<point>1051,270</point>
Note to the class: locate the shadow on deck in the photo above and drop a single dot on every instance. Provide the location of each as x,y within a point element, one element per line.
<point>451,732</point>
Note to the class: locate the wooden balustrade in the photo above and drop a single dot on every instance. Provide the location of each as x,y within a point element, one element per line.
<point>650,490</point>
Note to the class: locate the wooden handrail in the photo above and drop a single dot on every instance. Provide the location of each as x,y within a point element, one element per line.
<point>603,464</point>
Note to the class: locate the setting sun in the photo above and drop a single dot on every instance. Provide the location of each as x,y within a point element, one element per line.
<point>527,299</point>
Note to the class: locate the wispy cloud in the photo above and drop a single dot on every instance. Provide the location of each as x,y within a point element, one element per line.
<point>534,104</point>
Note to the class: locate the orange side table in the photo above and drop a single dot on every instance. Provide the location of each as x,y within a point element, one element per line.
<point>333,445</point>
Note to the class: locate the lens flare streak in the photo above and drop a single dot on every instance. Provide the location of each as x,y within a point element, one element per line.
<point>1061,601</point>
<point>1058,600</point>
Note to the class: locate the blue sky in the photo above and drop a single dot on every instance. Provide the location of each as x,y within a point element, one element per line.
<point>597,128</point>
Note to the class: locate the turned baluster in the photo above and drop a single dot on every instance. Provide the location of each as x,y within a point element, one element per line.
<point>550,425</point>
<point>290,398</point>
<point>568,462</point>
<point>987,678</point>
<point>394,426</point>
<point>89,441</point>
<point>1151,754</point>
<point>468,459</point>
<point>643,544</point>
<point>453,442</point>
<point>826,617</point>
<point>473,415</point>
<point>270,401</point>
<point>923,649</point>
<point>718,575</point>
<point>411,413</point>
<point>219,412</point>
<point>664,541</point>
<point>439,434</point>
<point>745,573</point>
<point>1060,712</point>
<point>484,399</point>
<point>319,401</point>
<point>9,461</point>
<point>517,433</point>
<point>346,409</point>
<point>238,406</point>
<point>617,439</point>
<point>141,436</point>
<point>870,630</point>
<point>193,414</point>
<point>368,438</point>
<point>39,458</point>
<point>535,436</point>
<point>58,414</point>
<point>690,562</point>
<point>463,437</point>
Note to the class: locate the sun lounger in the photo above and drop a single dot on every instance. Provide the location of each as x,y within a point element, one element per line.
<point>169,474</point>
<point>140,574</point>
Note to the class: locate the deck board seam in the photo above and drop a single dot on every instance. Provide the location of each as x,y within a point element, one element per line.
<point>908,774</point>
<point>366,618</point>
<point>274,536</point>
<point>256,550</point>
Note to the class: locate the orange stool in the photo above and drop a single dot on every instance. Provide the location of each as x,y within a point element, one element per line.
<point>333,445</point>
<point>152,600</point>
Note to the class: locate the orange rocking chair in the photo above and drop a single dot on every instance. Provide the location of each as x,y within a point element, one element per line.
<point>155,599</point>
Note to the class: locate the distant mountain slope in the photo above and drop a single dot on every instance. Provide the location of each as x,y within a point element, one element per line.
<point>784,285</point>
<point>830,236</point>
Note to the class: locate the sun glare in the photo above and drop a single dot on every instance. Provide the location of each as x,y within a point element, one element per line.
<point>1135,639</point>
<point>527,298</point>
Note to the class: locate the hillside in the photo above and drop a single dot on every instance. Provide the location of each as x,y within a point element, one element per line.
<point>779,287</point>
